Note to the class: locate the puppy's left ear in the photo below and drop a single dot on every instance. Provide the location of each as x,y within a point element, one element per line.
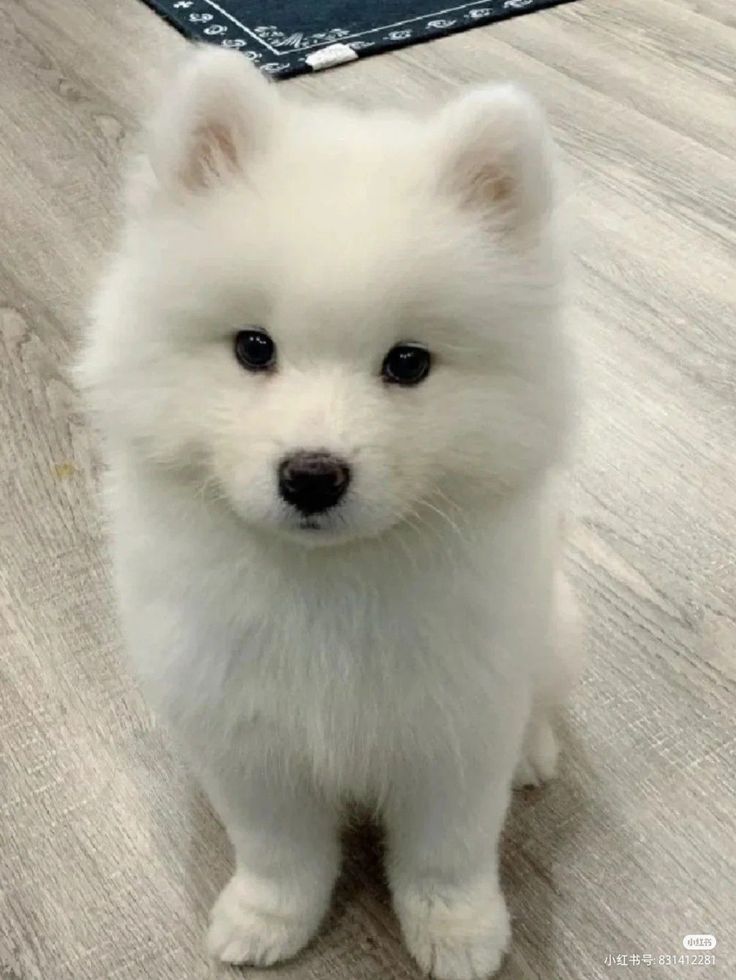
<point>496,155</point>
<point>218,113</point>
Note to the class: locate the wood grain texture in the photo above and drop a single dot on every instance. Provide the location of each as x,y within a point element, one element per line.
<point>109,857</point>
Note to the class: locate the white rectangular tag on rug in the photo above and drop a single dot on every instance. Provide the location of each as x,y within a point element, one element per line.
<point>333,54</point>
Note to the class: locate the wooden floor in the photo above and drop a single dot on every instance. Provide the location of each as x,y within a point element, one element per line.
<point>109,858</point>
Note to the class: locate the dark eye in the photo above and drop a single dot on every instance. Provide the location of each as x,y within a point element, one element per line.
<point>406,364</point>
<point>255,350</point>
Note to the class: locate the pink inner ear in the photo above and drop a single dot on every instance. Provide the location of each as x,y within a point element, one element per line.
<point>502,187</point>
<point>490,185</point>
<point>479,180</point>
<point>213,154</point>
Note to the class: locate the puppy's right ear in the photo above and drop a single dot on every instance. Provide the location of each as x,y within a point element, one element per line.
<point>219,111</point>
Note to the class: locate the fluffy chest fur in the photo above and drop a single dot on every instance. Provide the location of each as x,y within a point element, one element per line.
<point>355,664</point>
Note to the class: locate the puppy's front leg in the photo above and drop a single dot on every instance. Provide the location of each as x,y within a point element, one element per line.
<point>287,858</point>
<point>444,823</point>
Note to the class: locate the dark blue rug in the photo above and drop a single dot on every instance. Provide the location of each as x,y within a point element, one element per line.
<point>286,37</point>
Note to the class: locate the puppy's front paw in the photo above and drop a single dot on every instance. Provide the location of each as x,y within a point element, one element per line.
<point>245,928</point>
<point>538,761</point>
<point>453,937</point>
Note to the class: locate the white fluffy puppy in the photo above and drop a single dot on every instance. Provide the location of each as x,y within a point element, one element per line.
<point>329,369</point>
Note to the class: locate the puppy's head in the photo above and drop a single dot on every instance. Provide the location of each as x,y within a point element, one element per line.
<point>337,322</point>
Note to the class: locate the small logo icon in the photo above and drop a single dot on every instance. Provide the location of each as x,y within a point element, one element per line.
<point>699,942</point>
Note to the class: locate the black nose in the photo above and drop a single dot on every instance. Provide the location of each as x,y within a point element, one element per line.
<point>313,481</point>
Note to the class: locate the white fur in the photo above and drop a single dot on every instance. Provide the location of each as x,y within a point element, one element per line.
<point>403,654</point>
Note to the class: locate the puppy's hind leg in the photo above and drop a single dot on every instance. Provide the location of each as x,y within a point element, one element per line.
<point>559,673</point>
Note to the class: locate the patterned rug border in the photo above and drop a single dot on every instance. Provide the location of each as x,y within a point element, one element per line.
<point>282,54</point>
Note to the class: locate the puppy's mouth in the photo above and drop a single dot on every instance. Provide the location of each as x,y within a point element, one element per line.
<point>316,529</point>
<point>331,526</point>
<point>327,523</point>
